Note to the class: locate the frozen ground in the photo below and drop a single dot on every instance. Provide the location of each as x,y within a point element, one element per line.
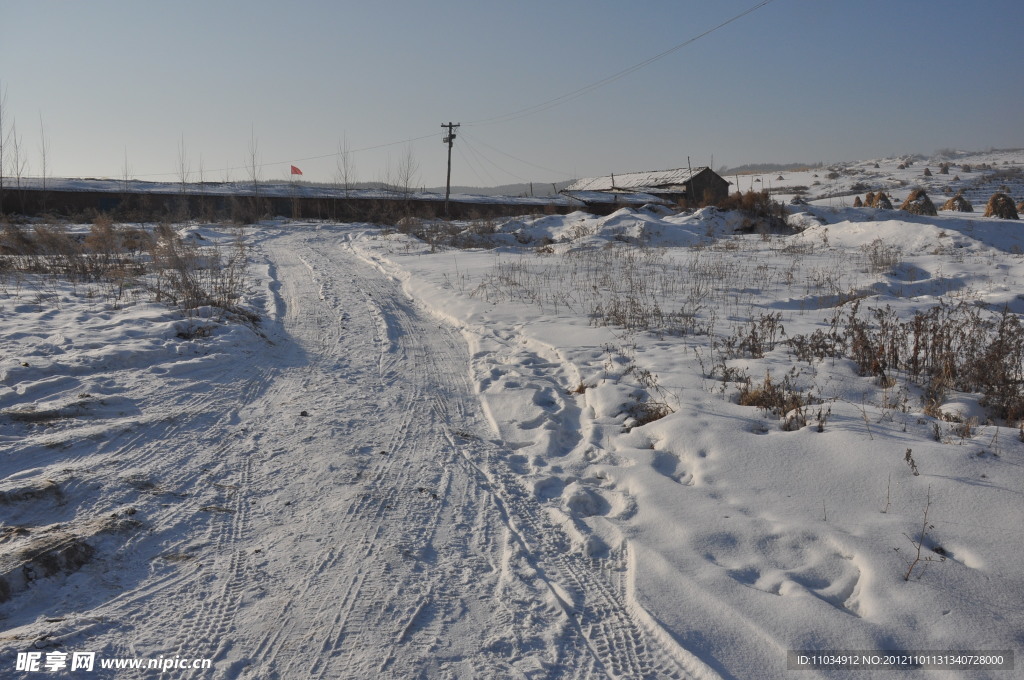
<point>977,175</point>
<point>428,462</point>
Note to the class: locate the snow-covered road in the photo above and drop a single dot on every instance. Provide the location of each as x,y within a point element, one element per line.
<point>430,462</point>
<point>393,540</point>
<point>334,504</point>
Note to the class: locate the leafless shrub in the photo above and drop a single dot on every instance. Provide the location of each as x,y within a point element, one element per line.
<point>943,348</point>
<point>922,538</point>
<point>119,260</point>
<point>818,345</point>
<point>190,277</point>
<point>908,458</point>
<point>756,338</point>
<point>14,240</point>
<point>644,412</point>
<point>882,257</point>
<point>761,211</point>
<point>782,399</point>
<point>998,371</point>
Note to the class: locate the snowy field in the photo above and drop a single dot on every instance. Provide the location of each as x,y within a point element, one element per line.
<point>976,175</point>
<point>636,446</point>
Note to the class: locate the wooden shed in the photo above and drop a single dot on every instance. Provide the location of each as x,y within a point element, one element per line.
<point>699,185</point>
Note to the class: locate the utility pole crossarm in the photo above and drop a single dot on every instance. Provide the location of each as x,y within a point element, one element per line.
<point>449,139</point>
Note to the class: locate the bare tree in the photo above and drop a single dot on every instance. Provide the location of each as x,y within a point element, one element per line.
<point>3,142</point>
<point>202,191</point>
<point>345,175</point>
<point>126,177</point>
<point>252,166</point>
<point>184,175</point>
<point>19,160</point>
<point>384,177</point>
<point>126,173</point>
<point>44,151</point>
<point>408,168</point>
<point>184,168</point>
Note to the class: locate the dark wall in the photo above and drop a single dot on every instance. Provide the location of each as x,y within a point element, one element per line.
<point>708,187</point>
<point>153,207</point>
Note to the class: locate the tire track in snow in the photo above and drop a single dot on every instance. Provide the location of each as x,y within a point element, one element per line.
<point>592,591</point>
<point>621,639</point>
<point>385,592</point>
<point>339,561</point>
<point>231,526</point>
<point>401,621</point>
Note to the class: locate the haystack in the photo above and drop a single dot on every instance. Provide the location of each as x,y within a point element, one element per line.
<point>881,201</point>
<point>857,202</point>
<point>869,199</point>
<point>958,204</point>
<point>927,172</point>
<point>1001,205</point>
<point>1020,207</point>
<point>918,203</point>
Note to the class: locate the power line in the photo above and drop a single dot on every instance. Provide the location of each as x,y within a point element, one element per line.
<point>515,158</point>
<point>512,115</point>
<point>472,164</point>
<point>575,94</point>
<point>484,159</point>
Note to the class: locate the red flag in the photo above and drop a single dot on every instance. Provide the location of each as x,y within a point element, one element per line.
<point>296,171</point>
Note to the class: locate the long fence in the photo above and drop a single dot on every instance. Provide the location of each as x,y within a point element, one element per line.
<point>152,206</point>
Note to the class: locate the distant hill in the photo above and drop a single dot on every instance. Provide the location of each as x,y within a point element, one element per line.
<point>760,168</point>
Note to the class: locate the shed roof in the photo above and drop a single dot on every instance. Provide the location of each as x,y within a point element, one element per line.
<point>648,179</point>
<point>608,198</point>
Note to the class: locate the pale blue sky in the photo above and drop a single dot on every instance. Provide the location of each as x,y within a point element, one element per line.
<point>797,80</point>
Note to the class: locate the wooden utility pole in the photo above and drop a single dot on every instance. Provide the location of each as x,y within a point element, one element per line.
<point>689,183</point>
<point>449,140</point>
